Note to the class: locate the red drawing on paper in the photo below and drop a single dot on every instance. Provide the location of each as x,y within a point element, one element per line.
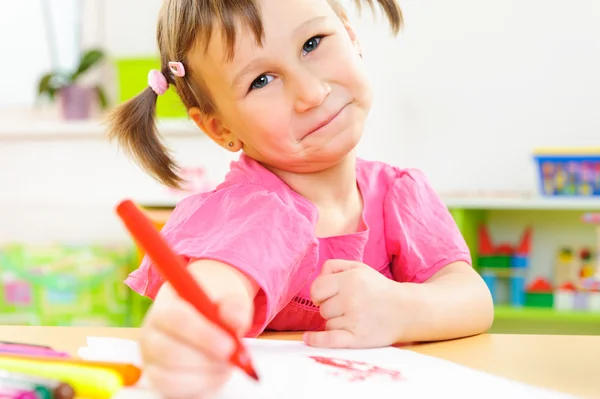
<point>355,370</point>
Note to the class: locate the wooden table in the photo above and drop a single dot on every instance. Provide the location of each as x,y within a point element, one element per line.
<point>565,363</point>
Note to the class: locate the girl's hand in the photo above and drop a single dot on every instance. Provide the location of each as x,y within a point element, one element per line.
<point>363,308</point>
<point>184,354</point>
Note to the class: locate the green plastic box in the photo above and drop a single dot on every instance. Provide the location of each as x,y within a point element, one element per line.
<point>62,285</point>
<point>539,299</point>
<point>496,261</point>
<point>133,79</point>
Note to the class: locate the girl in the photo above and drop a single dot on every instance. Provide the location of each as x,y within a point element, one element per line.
<point>301,235</point>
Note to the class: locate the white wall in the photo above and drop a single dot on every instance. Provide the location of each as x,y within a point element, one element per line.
<point>17,56</point>
<point>64,188</point>
<point>471,87</point>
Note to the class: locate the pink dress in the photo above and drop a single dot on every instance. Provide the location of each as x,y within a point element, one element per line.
<point>253,221</point>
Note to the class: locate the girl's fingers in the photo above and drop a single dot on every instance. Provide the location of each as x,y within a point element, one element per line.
<point>330,339</point>
<point>332,307</point>
<point>174,383</point>
<point>324,287</point>
<point>157,347</point>
<point>180,321</point>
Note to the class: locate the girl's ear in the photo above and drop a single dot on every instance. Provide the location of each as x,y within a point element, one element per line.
<point>212,126</point>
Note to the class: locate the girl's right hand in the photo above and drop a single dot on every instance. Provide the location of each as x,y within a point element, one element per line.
<point>185,355</point>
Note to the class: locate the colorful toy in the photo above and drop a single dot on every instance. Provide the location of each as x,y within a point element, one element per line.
<point>564,297</point>
<point>566,268</point>
<point>539,294</point>
<point>504,263</point>
<point>593,292</point>
<point>588,265</point>
<point>577,287</point>
<point>594,218</point>
<point>574,172</point>
<point>65,285</point>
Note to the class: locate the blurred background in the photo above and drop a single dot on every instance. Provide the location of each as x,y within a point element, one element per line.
<point>498,102</point>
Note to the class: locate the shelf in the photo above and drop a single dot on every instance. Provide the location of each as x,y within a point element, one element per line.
<point>33,126</point>
<point>546,314</point>
<point>523,203</point>
<point>573,204</point>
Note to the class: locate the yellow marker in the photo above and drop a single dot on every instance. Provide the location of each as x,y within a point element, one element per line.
<point>88,382</point>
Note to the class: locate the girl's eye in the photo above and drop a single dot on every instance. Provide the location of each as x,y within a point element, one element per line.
<point>311,44</point>
<point>261,82</point>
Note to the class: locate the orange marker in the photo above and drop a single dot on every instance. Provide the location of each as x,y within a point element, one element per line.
<point>175,271</point>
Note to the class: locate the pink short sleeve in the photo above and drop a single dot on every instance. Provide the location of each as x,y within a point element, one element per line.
<point>421,234</point>
<point>246,227</point>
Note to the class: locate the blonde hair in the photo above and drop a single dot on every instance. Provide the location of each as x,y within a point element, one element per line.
<point>183,24</point>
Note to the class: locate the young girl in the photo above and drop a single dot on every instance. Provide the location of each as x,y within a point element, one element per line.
<point>302,235</point>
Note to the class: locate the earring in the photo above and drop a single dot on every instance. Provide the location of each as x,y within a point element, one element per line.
<point>231,143</point>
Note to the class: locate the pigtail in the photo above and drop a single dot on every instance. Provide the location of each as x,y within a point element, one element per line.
<point>133,125</point>
<point>391,10</point>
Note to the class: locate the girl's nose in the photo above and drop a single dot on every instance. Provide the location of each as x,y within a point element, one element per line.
<point>310,92</point>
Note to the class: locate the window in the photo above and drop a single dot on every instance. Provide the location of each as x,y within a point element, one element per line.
<point>28,49</point>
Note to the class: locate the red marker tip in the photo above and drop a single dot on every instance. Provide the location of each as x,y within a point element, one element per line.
<point>252,373</point>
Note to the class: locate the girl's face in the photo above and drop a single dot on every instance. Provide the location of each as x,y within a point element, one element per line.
<point>299,102</point>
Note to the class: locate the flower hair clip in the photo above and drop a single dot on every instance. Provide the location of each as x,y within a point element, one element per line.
<point>177,69</point>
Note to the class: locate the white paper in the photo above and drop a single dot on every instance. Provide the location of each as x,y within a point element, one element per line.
<point>288,369</point>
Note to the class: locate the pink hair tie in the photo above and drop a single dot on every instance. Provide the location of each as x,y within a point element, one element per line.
<point>158,82</point>
<point>177,68</point>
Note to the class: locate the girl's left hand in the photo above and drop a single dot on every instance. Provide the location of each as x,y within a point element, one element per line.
<point>363,308</point>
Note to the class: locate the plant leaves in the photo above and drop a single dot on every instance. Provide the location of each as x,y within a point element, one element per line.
<point>51,93</point>
<point>88,60</point>
<point>101,97</point>
<point>51,82</point>
<point>44,86</point>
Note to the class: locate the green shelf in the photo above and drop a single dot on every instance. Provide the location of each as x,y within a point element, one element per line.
<point>547,314</point>
<point>509,320</point>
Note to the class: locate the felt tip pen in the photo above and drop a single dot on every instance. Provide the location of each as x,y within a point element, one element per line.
<point>87,382</point>
<point>41,391</point>
<point>21,343</point>
<point>175,271</point>
<point>31,350</point>
<point>44,387</point>
<point>129,372</point>
<point>12,393</point>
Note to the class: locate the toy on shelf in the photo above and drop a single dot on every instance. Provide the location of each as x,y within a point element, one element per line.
<point>590,276</point>
<point>64,284</point>
<point>572,269</point>
<point>578,277</point>
<point>594,218</point>
<point>577,288</point>
<point>504,263</point>
<point>592,287</point>
<point>574,172</point>
<point>564,296</point>
<point>588,264</point>
<point>539,294</point>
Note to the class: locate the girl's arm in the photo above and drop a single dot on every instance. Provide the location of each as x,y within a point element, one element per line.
<point>219,279</point>
<point>455,302</point>
<point>224,284</point>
